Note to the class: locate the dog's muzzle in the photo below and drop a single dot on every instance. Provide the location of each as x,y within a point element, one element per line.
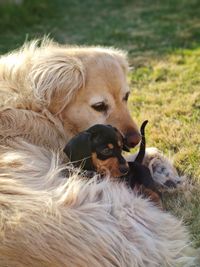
<point>132,139</point>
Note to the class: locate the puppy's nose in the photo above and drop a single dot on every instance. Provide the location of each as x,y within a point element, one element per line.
<point>123,169</point>
<point>132,139</point>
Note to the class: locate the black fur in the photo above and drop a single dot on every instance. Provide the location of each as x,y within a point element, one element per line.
<point>79,151</point>
<point>138,173</point>
<point>80,148</point>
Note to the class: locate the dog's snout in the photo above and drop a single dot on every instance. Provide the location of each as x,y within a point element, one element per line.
<point>133,138</point>
<point>124,169</point>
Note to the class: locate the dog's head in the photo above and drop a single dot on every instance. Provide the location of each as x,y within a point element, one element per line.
<point>99,149</point>
<point>91,88</point>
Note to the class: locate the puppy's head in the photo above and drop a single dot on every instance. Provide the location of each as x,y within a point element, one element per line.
<point>102,97</point>
<point>99,148</point>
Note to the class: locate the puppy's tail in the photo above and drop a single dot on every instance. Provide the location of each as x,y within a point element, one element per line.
<point>141,152</point>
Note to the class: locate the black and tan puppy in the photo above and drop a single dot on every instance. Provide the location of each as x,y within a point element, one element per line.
<point>99,149</point>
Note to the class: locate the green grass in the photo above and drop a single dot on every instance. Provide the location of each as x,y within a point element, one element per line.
<point>166,91</point>
<point>163,41</point>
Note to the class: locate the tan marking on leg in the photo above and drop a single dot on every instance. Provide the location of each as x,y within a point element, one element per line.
<point>154,197</point>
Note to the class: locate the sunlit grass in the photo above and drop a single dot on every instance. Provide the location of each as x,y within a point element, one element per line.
<point>166,91</point>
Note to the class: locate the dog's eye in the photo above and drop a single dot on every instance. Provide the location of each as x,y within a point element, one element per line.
<point>100,107</point>
<point>126,96</point>
<point>106,151</point>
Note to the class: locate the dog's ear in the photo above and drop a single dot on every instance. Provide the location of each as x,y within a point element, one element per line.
<point>56,78</point>
<point>125,147</point>
<point>95,132</point>
<point>78,150</point>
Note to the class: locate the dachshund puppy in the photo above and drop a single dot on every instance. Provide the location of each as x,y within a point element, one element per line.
<point>139,175</point>
<point>99,149</point>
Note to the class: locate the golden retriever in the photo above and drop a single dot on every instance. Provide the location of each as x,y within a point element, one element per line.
<point>49,93</point>
<point>65,90</point>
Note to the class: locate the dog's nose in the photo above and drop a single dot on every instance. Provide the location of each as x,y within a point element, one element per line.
<point>123,169</point>
<point>132,139</point>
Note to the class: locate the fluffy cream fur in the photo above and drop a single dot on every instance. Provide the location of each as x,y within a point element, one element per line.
<point>46,218</point>
<point>49,220</point>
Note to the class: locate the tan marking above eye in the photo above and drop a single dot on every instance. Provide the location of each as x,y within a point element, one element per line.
<point>110,146</point>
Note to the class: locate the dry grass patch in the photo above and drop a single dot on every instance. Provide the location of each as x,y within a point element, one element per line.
<point>167,92</point>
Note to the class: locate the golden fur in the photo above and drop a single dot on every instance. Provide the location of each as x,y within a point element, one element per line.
<point>53,88</point>
<point>46,218</point>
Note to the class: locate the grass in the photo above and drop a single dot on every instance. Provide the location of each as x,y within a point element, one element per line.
<point>167,92</point>
<point>163,41</point>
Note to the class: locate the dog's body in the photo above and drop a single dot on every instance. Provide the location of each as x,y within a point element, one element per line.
<point>49,94</point>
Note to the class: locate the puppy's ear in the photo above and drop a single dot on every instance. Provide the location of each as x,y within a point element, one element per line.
<point>78,150</point>
<point>121,136</point>
<point>125,147</point>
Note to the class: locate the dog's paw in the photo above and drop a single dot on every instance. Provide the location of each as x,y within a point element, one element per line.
<point>162,169</point>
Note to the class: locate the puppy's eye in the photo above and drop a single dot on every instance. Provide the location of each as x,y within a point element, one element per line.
<point>106,151</point>
<point>100,107</point>
<point>125,98</point>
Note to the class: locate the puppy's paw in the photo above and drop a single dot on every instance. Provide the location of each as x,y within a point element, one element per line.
<point>162,169</point>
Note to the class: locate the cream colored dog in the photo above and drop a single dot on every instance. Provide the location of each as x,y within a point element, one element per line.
<point>50,93</point>
<point>62,91</point>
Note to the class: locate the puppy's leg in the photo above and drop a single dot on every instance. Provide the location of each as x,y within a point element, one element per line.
<point>161,168</point>
<point>153,196</point>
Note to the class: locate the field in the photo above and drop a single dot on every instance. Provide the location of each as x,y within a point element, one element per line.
<point>163,42</point>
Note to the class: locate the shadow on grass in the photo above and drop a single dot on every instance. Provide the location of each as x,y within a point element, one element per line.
<point>140,27</point>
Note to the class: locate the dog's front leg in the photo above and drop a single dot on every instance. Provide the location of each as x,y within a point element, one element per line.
<point>162,170</point>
